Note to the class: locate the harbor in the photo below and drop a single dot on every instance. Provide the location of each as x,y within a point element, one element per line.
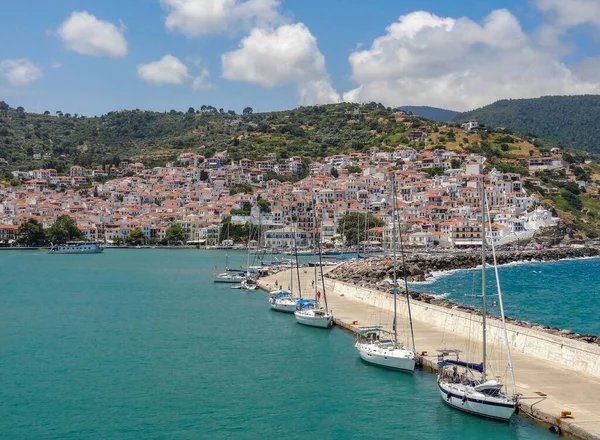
<point>558,378</point>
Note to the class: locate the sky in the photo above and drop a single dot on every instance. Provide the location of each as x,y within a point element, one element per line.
<point>91,57</point>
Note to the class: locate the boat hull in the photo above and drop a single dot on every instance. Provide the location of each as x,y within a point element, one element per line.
<point>76,251</point>
<point>459,397</point>
<point>400,361</point>
<point>284,308</point>
<point>314,320</point>
<point>228,280</point>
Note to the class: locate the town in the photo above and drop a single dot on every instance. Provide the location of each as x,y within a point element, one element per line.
<point>437,198</point>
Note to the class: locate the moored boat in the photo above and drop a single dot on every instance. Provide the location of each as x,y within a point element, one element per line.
<point>469,388</point>
<point>282,301</point>
<point>76,247</point>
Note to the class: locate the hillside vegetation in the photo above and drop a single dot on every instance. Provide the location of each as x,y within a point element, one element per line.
<point>63,139</point>
<point>432,113</point>
<point>568,120</point>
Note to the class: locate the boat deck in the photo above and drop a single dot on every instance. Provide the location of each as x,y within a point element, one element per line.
<point>549,388</point>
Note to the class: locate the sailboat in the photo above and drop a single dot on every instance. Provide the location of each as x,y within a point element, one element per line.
<point>381,347</point>
<point>249,282</point>
<point>309,312</point>
<point>284,300</point>
<point>462,389</point>
<point>229,276</point>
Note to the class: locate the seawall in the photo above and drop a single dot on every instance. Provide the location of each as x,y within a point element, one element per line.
<point>553,373</point>
<point>570,353</point>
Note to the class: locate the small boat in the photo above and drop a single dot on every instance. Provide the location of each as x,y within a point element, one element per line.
<point>282,301</point>
<point>229,277</point>
<point>248,284</point>
<point>380,347</point>
<point>76,247</point>
<point>309,313</point>
<point>236,287</point>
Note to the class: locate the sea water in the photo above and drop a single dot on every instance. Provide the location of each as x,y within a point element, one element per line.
<point>141,344</point>
<point>564,294</point>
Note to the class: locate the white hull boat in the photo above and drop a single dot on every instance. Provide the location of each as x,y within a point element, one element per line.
<point>76,248</point>
<point>477,400</point>
<point>228,278</point>
<point>285,306</point>
<point>387,355</point>
<point>458,385</point>
<point>314,318</point>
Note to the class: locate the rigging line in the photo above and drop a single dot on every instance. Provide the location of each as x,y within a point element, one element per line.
<point>510,365</point>
<point>395,216</point>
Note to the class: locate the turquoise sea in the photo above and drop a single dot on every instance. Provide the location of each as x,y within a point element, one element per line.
<point>140,344</point>
<point>564,294</point>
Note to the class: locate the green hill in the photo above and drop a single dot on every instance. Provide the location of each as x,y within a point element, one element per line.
<point>568,120</point>
<point>431,113</point>
<point>153,137</point>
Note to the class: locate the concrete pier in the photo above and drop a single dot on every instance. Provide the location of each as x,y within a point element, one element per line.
<point>553,374</point>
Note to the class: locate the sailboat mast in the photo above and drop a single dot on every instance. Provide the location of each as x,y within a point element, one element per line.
<point>318,235</point>
<point>410,323</point>
<point>483,296</point>
<point>394,246</point>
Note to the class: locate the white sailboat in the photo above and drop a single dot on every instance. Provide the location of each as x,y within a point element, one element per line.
<point>470,389</point>
<point>310,312</point>
<point>381,347</point>
<point>284,300</point>
<point>228,276</point>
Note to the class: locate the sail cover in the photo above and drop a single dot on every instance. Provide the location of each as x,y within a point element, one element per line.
<point>469,365</point>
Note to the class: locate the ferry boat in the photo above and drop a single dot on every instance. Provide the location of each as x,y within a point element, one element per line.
<point>76,247</point>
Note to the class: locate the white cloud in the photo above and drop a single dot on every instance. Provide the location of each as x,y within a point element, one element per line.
<point>570,13</point>
<point>167,70</point>
<point>285,55</point>
<point>85,34</point>
<point>459,64</point>
<point>20,72</point>
<point>201,81</point>
<point>201,17</point>
<point>56,64</point>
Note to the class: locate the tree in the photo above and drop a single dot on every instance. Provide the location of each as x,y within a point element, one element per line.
<point>435,171</point>
<point>20,109</point>
<point>334,173</point>
<point>4,106</point>
<point>191,110</point>
<point>247,111</point>
<point>63,230</point>
<point>136,237</point>
<point>31,233</point>
<point>46,113</point>
<point>204,175</point>
<point>352,226</point>
<point>455,164</point>
<point>203,108</point>
<point>353,169</point>
<point>175,234</point>
<point>240,188</point>
<point>264,206</point>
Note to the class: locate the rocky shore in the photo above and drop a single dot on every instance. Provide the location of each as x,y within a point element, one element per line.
<point>376,273</point>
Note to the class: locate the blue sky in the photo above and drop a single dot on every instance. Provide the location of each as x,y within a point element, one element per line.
<point>90,57</point>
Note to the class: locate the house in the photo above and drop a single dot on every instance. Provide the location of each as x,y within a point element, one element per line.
<point>469,126</point>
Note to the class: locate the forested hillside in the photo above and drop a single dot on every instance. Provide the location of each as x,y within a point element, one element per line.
<point>64,139</point>
<point>568,120</point>
<point>432,113</point>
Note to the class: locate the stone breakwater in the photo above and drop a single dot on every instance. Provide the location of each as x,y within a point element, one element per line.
<point>376,273</point>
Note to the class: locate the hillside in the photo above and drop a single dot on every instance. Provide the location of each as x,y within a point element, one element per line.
<point>152,137</point>
<point>431,113</point>
<point>568,120</point>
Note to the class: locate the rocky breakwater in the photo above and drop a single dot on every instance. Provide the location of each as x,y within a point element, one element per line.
<point>377,274</point>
